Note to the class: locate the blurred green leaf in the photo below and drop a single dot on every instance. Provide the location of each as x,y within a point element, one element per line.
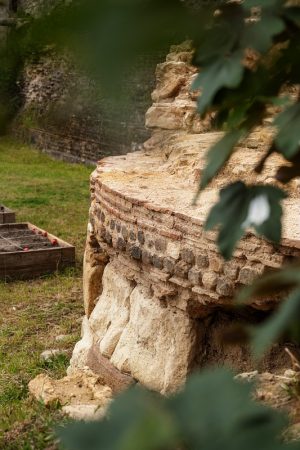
<point>259,35</point>
<point>219,34</point>
<point>238,115</point>
<point>215,412</point>
<point>272,283</point>
<point>271,228</point>
<point>273,328</point>
<point>138,420</point>
<point>212,412</point>
<point>230,213</point>
<point>292,13</point>
<point>240,207</point>
<point>286,318</point>
<point>278,101</point>
<point>288,136</point>
<point>218,154</point>
<point>226,71</point>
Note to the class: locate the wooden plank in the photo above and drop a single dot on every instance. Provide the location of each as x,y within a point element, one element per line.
<point>60,242</point>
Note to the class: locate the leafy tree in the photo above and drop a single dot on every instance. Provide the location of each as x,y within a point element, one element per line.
<point>240,94</point>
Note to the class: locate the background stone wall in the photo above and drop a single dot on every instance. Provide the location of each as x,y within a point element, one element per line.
<point>65,114</point>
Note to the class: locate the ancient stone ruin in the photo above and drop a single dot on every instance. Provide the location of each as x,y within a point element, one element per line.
<point>157,294</point>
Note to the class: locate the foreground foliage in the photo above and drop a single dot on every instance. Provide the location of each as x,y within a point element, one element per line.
<point>247,53</point>
<point>213,412</point>
<point>252,47</point>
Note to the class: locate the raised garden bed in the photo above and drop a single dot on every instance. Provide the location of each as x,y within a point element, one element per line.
<point>7,215</point>
<point>27,251</point>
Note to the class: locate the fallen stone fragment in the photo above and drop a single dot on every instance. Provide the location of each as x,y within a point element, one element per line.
<point>47,355</point>
<point>61,337</point>
<point>247,376</point>
<point>82,395</point>
<point>84,412</point>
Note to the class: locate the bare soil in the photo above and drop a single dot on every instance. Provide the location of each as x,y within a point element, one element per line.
<point>24,240</point>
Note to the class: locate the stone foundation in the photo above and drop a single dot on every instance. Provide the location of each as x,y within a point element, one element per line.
<point>157,294</point>
<point>135,330</point>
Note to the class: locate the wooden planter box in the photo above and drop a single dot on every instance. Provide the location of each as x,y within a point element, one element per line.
<point>27,251</point>
<point>7,215</point>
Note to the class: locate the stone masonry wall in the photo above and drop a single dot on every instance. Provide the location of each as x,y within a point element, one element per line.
<point>67,115</point>
<point>174,104</point>
<point>64,114</point>
<point>158,296</point>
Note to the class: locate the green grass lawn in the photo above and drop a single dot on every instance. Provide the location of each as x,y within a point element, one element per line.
<point>55,196</point>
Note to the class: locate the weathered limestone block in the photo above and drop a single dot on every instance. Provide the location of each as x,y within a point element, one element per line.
<point>171,77</point>
<point>161,339</point>
<point>169,117</point>
<point>112,311</point>
<point>209,280</point>
<point>249,273</point>
<point>135,330</point>
<point>82,348</point>
<point>174,105</point>
<point>195,276</point>
<point>164,275</point>
<point>225,287</point>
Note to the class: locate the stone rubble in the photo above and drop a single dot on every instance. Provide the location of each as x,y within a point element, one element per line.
<point>48,355</point>
<point>81,395</point>
<point>62,337</point>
